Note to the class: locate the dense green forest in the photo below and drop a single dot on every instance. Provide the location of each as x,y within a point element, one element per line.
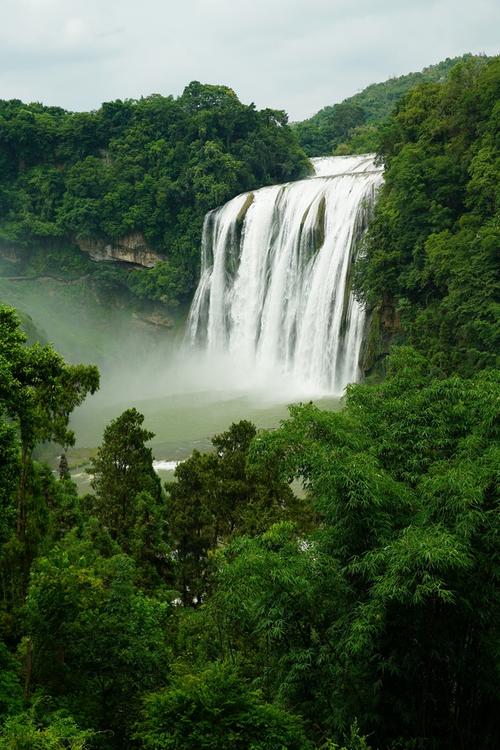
<point>153,166</point>
<point>228,610</point>
<point>350,127</point>
<point>432,248</point>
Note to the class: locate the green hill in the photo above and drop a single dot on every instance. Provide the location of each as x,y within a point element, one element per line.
<point>431,252</point>
<point>132,181</point>
<point>354,119</point>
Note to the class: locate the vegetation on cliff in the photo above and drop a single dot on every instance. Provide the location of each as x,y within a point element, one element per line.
<point>153,166</point>
<point>432,247</point>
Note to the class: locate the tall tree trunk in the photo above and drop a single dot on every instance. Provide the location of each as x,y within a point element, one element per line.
<point>21,492</point>
<point>28,670</point>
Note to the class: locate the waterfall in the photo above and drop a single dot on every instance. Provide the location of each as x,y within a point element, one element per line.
<point>274,291</point>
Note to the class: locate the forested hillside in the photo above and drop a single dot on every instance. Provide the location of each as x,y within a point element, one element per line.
<point>134,172</point>
<point>431,254</point>
<point>224,611</point>
<point>351,125</point>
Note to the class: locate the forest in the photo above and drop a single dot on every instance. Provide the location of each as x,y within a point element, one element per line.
<point>154,166</point>
<point>229,609</point>
<point>352,126</point>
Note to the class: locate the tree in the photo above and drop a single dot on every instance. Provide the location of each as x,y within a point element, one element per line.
<point>148,545</point>
<point>430,251</point>
<point>216,710</point>
<point>9,468</point>
<point>215,498</point>
<point>11,694</point>
<point>38,390</point>
<point>341,127</point>
<point>96,641</point>
<point>192,524</point>
<point>390,605</point>
<point>63,467</point>
<point>56,732</point>
<point>123,468</point>
<point>275,598</point>
<point>153,166</point>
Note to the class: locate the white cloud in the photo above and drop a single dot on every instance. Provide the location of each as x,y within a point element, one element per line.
<point>297,55</point>
<point>75,29</point>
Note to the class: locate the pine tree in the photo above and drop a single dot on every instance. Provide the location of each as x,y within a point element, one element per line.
<point>122,469</point>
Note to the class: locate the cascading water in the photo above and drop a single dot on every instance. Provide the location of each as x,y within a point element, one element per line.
<point>274,290</point>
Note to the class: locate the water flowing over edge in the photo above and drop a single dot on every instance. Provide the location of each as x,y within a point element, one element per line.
<point>274,295</point>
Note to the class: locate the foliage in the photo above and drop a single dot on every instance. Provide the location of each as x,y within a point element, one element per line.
<point>38,392</point>
<point>354,741</point>
<point>330,127</point>
<point>122,468</point>
<point>39,389</point>
<point>431,248</point>
<point>95,640</point>
<point>164,283</point>
<point>11,694</point>
<point>153,166</point>
<point>57,732</point>
<point>388,610</point>
<point>274,595</point>
<point>350,127</point>
<point>215,498</point>
<point>216,710</point>
<point>9,470</point>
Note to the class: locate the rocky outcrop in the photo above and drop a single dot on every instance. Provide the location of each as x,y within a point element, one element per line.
<point>155,319</point>
<point>131,249</point>
<point>11,253</point>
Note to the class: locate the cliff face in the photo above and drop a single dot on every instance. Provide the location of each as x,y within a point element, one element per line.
<point>131,249</point>
<point>382,330</point>
<point>10,252</point>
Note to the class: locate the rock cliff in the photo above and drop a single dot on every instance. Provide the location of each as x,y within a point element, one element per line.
<point>131,249</point>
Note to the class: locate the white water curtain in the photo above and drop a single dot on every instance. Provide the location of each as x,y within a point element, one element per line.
<point>274,290</point>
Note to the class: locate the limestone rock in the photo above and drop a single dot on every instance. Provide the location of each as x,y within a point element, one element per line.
<point>131,249</point>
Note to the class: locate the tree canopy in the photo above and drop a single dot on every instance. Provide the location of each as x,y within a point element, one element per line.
<point>152,166</point>
<point>351,126</point>
<point>431,250</point>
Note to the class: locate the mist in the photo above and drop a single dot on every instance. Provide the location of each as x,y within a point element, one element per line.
<point>186,396</point>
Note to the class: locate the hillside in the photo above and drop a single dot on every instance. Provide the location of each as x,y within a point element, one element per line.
<point>430,263</point>
<point>132,182</point>
<point>354,118</point>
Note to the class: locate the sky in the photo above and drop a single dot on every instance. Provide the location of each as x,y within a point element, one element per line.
<point>296,55</point>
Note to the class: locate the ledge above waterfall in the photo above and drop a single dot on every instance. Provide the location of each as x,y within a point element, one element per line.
<point>331,166</point>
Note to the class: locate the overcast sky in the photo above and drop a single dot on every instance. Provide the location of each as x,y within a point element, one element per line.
<point>297,55</point>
